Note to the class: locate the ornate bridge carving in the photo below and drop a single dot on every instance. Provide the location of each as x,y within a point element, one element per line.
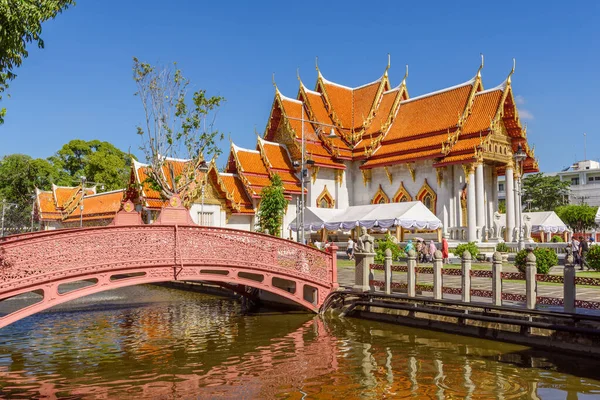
<point>117,256</point>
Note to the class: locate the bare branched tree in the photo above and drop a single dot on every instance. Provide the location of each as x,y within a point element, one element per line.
<point>174,129</point>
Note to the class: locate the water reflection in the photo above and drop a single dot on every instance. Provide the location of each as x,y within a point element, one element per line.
<point>171,344</point>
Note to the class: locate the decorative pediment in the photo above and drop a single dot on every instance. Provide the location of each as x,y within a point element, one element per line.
<point>427,196</point>
<point>380,197</point>
<point>325,199</point>
<point>402,194</point>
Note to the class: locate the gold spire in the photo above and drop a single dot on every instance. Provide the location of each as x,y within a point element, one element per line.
<point>388,66</point>
<point>480,66</point>
<point>405,76</point>
<point>512,71</point>
<point>317,65</point>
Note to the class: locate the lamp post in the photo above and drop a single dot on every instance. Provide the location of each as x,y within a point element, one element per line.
<point>83,181</point>
<point>204,169</point>
<point>519,157</point>
<point>6,205</point>
<point>303,170</point>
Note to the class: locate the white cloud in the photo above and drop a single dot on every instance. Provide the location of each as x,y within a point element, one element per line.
<point>520,100</point>
<point>526,115</point>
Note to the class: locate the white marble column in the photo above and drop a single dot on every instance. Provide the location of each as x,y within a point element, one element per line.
<point>471,206</point>
<point>492,197</point>
<point>480,197</point>
<point>518,207</point>
<point>510,202</point>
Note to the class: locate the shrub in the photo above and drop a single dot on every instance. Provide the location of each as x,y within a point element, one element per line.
<point>593,257</point>
<point>387,243</point>
<point>544,260</point>
<point>557,239</point>
<point>471,247</point>
<point>502,248</point>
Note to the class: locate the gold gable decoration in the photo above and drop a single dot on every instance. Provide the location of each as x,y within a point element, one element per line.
<point>402,194</point>
<point>411,169</point>
<point>325,199</point>
<point>380,197</point>
<point>389,174</point>
<point>427,196</point>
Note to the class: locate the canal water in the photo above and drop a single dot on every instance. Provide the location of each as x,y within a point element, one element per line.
<point>160,343</point>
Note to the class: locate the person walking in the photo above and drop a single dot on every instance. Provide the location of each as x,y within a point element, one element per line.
<point>432,250</point>
<point>576,253</point>
<point>350,249</point>
<point>583,250</point>
<point>445,251</point>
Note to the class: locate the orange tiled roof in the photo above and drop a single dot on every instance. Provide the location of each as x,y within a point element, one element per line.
<point>235,190</point>
<point>484,109</point>
<point>46,206</point>
<point>101,205</point>
<point>434,112</point>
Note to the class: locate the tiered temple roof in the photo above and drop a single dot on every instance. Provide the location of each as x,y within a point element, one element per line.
<point>63,204</point>
<point>383,126</point>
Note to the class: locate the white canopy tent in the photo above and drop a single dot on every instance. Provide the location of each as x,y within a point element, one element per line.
<point>598,216</point>
<point>542,221</point>
<point>408,215</point>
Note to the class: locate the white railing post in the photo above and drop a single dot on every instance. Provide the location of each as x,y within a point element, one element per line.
<point>437,274</point>
<point>569,284</point>
<point>497,279</point>
<point>466,277</point>
<point>530,281</point>
<point>411,275</point>
<point>387,263</point>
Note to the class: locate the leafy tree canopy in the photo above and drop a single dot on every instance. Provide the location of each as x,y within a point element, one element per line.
<point>578,217</point>
<point>175,125</point>
<point>98,161</point>
<point>20,24</point>
<point>272,207</point>
<point>544,193</point>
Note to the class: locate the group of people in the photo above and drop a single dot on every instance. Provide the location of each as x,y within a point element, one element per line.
<point>580,248</point>
<point>425,251</point>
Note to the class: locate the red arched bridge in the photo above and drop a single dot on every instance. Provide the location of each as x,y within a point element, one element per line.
<point>48,263</point>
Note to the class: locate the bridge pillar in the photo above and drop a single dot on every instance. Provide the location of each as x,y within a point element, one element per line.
<point>362,271</point>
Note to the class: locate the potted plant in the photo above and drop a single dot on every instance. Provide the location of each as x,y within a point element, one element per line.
<point>503,249</point>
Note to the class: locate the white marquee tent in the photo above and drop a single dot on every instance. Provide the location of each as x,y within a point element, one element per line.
<point>408,215</point>
<point>542,221</point>
<point>598,216</point>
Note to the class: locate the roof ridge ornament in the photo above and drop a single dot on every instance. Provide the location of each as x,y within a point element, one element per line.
<point>388,65</point>
<point>274,84</point>
<point>405,76</point>
<point>317,66</point>
<point>512,71</point>
<point>480,66</point>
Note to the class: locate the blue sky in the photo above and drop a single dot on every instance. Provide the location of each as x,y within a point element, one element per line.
<point>81,86</point>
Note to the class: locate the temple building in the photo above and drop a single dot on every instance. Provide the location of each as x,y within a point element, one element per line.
<point>72,206</point>
<point>375,144</point>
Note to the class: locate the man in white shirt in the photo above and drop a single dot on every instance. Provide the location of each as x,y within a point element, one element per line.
<point>350,249</point>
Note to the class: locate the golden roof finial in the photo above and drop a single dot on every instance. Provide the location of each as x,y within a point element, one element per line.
<point>512,71</point>
<point>274,84</point>
<point>388,65</point>
<point>405,75</point>
<point>317,65</point>
<point>480,66</point>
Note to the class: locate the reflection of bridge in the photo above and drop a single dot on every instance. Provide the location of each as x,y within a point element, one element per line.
<point>104,258</point>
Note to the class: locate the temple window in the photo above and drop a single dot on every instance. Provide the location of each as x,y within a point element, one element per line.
<point>428,197</point>
<point>380,197</point>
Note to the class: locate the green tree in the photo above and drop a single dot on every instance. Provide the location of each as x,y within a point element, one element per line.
<point>544,193</point>
<point>98,161</point>
<point>21,24</point>
<point>19,176</point>
<point>272,207</point>
<point>578,217</point>
<point>174,127</point>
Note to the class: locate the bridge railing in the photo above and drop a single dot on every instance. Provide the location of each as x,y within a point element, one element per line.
<point>23,258</point>
<point>462,284</point>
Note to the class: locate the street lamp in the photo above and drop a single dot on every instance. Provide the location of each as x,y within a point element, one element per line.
<point>303,170</point>
<point>203,167</point>
<point>519,157</point>
<point>6,205</point>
